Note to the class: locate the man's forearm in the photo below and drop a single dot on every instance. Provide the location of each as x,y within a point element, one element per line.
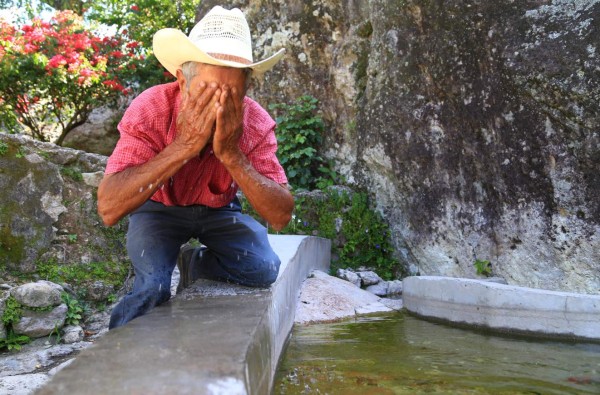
<point>121,193</point>
<point>271,200</point>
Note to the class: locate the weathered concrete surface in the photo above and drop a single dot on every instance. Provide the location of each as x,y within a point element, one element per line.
<point>504,307</point>
<point>214,338</point>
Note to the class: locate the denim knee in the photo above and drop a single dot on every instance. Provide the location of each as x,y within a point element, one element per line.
<point>267,273</point>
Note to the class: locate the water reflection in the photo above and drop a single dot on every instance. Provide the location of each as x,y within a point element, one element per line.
<point>400,354</point>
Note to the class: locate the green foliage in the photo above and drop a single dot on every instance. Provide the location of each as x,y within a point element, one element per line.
<point>13,311</point>
<point>80,276</point>
<point>483,267</point>
<point>299,134</point>
<point>72,172</point>
<point>139,20</point>
<point>74,309</point>
<point>359,235</point>
<point>13,342</point>
<point>3,148</point>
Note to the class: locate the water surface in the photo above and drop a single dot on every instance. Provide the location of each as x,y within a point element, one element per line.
<point>401,354</point>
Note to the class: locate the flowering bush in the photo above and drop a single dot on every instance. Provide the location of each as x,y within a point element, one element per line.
<point>53,74</point>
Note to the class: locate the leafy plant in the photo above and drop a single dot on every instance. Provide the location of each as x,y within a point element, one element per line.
<point>13,342</point>
<point>359,234</point>
<point>3,148</point>
<point>13,311</point>
<point>483,267</point>
<point>299,131</point>
<point>74,309</point>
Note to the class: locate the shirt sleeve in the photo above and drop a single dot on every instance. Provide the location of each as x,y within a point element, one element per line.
<point>140,130</point>
<point>263,158</point>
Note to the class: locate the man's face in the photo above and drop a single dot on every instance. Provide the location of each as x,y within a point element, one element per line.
<point>223,76</point>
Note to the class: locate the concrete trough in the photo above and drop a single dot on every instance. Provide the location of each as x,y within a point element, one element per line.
<point>213,338</point>
<point>504,307</point>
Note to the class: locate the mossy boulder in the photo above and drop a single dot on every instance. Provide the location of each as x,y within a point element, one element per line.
<point>49,226</point>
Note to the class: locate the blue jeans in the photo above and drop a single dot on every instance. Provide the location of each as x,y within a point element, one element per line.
<point>237,250</point>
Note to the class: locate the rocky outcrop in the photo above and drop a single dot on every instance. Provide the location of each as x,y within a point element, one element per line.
<point>475,124</point>
<point>49,226</point>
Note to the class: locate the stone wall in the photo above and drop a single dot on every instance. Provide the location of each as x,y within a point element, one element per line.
<point>49,217</point>
<point>474,123</point>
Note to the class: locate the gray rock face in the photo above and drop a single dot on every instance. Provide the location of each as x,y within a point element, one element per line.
<point>39,294</point>
<point>99,134</point>
<point>41,323</point>
<point>475,125</point>
<point>49,213</point>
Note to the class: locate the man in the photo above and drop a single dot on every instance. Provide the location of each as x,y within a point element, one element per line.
<point>185,149</point>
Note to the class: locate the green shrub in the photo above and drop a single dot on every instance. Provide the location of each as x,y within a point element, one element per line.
<point>13,312</point>
<point>359,234</point>
<point>299,134</point>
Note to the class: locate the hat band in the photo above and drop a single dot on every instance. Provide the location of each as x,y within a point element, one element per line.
<point>232,58</point>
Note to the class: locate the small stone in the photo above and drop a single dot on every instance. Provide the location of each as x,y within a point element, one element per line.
<point>99,291</point>
<point>369,278</point>
<point>38,294</point>
<point>350,276</point>
<point>379,289</point>
<point>72,334</point>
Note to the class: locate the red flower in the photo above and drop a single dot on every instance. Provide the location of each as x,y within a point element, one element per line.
<point>133,44</point>
<point>135,8</point>
<point>56,61</point>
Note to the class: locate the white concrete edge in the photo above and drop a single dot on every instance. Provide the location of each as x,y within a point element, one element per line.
<point>312,253</point>
<point>503,307</point>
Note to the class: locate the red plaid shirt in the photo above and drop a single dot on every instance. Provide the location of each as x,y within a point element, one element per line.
<point>149,125</point>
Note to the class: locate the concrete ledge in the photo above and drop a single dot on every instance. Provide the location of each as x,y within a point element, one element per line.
<point>214,338</point>
<point>504,307</point>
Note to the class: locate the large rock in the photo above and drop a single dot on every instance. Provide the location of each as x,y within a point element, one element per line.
<point>41,323</point>
<point>325,298</point>
<point>48,213</point>
<point>38,294</point>
<point>475,124</point>
<point>98,134</point>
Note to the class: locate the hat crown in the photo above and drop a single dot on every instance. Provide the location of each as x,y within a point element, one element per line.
<point>223,32</point>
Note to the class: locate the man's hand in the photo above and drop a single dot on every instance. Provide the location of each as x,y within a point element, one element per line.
<point>196,119</point>
<point>229,125</point>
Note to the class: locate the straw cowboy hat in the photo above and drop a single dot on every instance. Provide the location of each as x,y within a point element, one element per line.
<point>221,38</point>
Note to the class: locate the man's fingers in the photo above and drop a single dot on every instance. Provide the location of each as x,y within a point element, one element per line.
<point>202,93</point>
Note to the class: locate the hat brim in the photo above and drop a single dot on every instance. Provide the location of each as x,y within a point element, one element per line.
<point>173,48</point>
